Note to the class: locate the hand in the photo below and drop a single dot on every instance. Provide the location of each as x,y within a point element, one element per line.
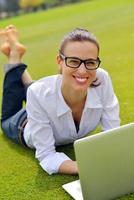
<point>68,167</point>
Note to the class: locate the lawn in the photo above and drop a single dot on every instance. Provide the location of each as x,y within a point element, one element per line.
<point>112,21</point>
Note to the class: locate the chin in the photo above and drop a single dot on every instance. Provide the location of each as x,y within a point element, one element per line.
<point>81,88</point>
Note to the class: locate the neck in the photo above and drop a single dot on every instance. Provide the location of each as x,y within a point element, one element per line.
<point>73,97</point>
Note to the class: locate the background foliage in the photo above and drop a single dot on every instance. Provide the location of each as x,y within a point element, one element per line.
<point>16,7</point>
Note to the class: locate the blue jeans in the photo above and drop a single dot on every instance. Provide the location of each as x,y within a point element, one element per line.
<point>13,113</point>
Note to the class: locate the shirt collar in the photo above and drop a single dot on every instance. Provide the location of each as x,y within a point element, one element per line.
<point>62,107</point>
<point>92,101</point>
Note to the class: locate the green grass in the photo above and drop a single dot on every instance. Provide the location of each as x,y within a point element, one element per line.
<point>113,23</point>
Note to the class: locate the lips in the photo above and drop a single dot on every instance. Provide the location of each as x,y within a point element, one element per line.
<point>81,79</point>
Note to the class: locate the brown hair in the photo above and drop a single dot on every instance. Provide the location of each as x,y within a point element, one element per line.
<point>80,35</point>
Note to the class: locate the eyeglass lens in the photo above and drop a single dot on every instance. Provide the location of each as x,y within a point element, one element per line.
<point>89,64</point>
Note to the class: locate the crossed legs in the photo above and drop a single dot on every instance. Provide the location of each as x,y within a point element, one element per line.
<point>15,80</point>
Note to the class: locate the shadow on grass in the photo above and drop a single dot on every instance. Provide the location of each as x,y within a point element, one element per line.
<point>45,182</point>
<point>22,150</point>
<point>41,180</point>
<point>67,149</point>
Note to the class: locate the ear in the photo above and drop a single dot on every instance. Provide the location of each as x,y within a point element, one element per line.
<point>59,60</point>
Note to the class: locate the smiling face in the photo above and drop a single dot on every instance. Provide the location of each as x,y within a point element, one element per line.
<point>78,79</point>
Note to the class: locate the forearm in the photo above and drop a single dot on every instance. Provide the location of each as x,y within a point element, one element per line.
<point>68,167</point>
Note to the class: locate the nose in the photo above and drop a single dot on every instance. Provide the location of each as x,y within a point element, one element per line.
<point>82,68</point>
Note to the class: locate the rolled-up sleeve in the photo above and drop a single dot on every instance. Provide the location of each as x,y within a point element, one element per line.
<point>42,135</point>
<point>52,162</point>
<point>110,115</point>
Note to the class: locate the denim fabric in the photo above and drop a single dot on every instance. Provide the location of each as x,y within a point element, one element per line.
<point>14,94</point>
<point>12,126</point>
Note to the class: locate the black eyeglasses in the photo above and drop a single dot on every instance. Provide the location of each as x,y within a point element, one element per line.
<point>73,62</point>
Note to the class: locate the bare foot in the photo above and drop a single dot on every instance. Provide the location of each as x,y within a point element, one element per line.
<point>13,40</point>
<point>5,49</point>
<point>9,38</point>
<point>4,45</point>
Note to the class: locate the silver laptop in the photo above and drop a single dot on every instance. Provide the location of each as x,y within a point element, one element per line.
<point>106,165</point>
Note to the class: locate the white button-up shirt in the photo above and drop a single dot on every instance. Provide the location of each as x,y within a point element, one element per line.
<point>50,120</point>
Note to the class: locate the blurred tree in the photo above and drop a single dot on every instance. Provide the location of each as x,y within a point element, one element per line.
<point>36,3</point>
<point>11,7</point>
<point>28,4</point>
<point>51,3</point>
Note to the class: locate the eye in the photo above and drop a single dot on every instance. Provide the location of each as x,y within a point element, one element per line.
<point>73,62</point>
<point>91,63</point>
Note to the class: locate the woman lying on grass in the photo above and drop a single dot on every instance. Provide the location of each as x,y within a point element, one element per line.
<point>59,108</point>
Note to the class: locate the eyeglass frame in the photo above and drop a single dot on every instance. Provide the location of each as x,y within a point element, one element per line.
<point>81,61</point>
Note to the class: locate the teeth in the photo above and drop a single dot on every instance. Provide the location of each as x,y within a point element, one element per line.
<point>81,79</point>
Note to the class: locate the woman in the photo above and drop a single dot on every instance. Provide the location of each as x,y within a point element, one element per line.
<point>59,108</point>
